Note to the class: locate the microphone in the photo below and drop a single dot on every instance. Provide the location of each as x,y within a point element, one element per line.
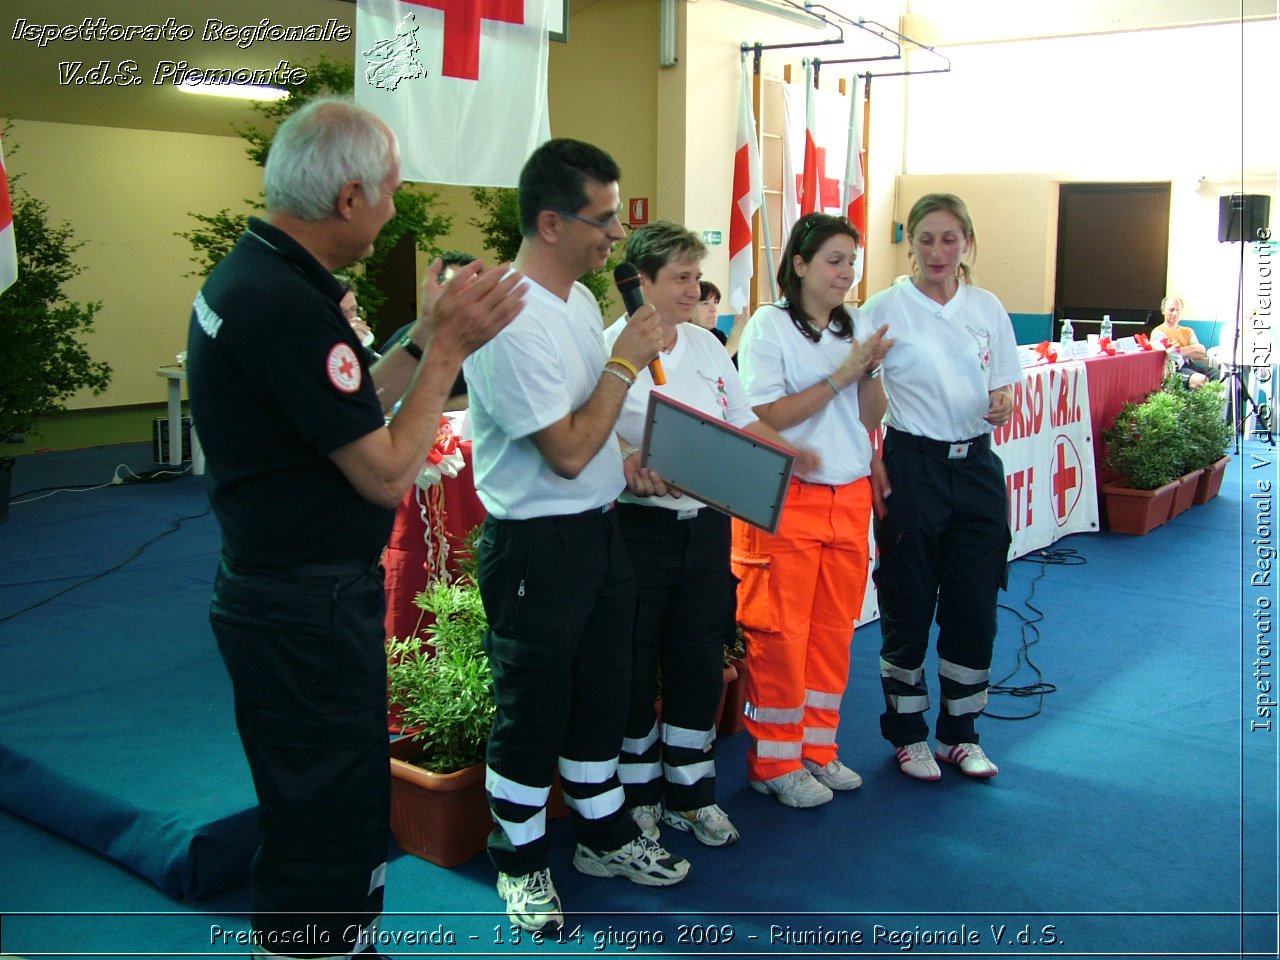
<point>627,279</point>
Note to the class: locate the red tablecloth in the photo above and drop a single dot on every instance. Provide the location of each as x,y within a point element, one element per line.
<point>1113,382</point>
<point>453,503</point>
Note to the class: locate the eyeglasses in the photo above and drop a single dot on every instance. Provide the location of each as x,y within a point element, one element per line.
<point>604,223</point>
<point>351,313</point>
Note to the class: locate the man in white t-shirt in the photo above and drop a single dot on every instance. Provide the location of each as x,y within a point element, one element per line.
<point>557,583</point>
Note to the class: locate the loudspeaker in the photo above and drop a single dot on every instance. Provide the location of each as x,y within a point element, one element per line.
<point>1241,216</point>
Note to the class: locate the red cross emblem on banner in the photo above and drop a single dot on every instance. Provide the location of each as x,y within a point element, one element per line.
<point>1065,478</point>
<point>462,20</point>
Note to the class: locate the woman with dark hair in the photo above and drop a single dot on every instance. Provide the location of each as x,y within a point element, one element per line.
<point>943,536</point>
<point>809,365</point>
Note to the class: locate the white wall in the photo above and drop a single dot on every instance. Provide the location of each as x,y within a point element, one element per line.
<point>1194,106</point>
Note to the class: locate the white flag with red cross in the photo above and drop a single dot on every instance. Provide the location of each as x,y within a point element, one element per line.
<point>8,244</point>
<point>819,132</point>
<point>748,188</point>
<point>463,83</point>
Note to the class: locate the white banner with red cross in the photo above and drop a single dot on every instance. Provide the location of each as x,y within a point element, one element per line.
<point>463,83</point>
<point>1047,451</point>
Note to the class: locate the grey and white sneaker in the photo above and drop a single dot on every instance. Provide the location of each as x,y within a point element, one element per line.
<point>532,901</point>
<point>795,789</point>
<point>646,817</point>
<point>833,774</point>
<point>708,824</point>
<point>641,861</point>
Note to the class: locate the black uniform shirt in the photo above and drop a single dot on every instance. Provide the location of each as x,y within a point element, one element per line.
<point>277,382</point>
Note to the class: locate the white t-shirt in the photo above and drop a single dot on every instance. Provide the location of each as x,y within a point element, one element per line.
<point>777,360</point>
<point>537,371</point>
<point>700,375</point>
<point>944,360</point>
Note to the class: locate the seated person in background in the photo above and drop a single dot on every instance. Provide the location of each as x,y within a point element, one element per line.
<point>355,316</point>
<point>1191,361</point>
<point>432,287</point>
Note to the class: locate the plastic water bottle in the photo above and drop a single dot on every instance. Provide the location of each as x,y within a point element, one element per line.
<point>1105,332</point>
<point>1067,334</point>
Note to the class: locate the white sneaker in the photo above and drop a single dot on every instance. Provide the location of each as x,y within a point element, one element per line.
<point>532,901</point>
<point>969,758</point>
<point>833,774</point>
<point>708,824</point>
<point>646,817</point>
<point>795,789</point>
<point>917,762</point>
<point>641,861</point>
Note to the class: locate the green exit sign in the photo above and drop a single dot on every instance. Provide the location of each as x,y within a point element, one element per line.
<point>712,238</point>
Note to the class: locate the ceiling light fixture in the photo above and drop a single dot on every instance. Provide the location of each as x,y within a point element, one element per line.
<point>237,91</point>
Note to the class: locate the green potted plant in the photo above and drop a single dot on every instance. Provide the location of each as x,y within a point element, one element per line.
<point>442,689</point>
<point>1208,436</point>
<point>1146,445</point>
<point>1193,462</point>
<point>45,360</point>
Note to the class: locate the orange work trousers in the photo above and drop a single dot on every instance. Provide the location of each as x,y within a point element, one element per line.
<point>801,590</point>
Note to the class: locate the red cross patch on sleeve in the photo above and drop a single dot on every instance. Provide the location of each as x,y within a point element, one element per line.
<point>343,368</point>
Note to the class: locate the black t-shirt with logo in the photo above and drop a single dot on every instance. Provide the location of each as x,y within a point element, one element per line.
<point>278,381</point>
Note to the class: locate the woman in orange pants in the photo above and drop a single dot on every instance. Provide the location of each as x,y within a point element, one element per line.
<point>809,365</point>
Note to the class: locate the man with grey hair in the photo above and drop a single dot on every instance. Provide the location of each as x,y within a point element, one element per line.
<point>303,475</point>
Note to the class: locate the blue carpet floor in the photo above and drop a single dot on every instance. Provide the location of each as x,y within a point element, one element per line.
<point>1135,813</point>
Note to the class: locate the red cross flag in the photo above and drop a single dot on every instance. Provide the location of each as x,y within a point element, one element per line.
<point>748,186</point>
<point>8,245</point>
<point>463,83</point>
<point>815,171</point>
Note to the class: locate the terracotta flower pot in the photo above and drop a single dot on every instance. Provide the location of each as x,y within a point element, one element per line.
<point>440,817</point>
<point>1185,495</point>
<point>1211,480</point>
<point>444,817</point>
<point>1137,512</point>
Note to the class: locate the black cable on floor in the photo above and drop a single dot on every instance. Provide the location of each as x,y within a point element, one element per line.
<point>177,525</point>
<point>1031,636</point>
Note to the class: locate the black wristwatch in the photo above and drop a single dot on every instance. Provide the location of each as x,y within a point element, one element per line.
<point>411,348</point>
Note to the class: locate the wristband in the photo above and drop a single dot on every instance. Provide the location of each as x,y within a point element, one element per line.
<point>628,450</point>
<point>872,374</point>
<point>832,384</point>
<point>621,376</point>
<point>411,348</point>
<point>625,365</point>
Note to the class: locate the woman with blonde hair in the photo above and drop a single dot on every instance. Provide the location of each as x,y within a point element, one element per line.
<point>942,518</point>
<point>809,365</point>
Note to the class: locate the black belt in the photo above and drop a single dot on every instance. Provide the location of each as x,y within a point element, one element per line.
<point>658,514</point>
<point>594,512</point>
<point>298,571</point>
<point>943,449</point>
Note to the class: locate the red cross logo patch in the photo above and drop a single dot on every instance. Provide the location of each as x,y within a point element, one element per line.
<point>343,368</point>
<point>1064,473</point>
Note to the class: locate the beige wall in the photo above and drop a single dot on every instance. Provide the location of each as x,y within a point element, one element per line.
<point>125,193</point>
